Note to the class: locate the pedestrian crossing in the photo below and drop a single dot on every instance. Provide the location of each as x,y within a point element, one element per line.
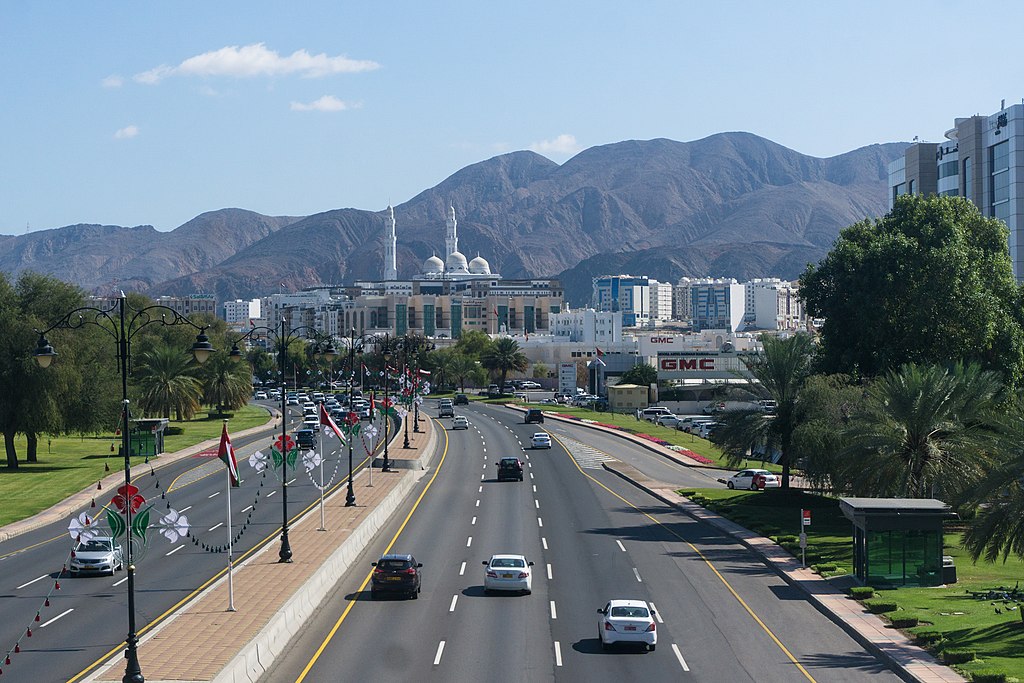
<point>585,455</point>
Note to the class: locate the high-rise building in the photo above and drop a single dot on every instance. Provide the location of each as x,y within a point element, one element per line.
<point>629,294</point>
<point>982,159</point>
<point>717,304</point>
<point>241,312</point>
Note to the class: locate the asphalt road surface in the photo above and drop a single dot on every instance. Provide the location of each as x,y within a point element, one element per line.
<point>723,615</point>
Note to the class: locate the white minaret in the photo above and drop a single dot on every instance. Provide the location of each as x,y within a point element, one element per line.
<point>391,248</point>
<point>451,240</point>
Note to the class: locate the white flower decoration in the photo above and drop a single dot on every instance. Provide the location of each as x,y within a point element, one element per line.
<point>258,461</point>
<point>311,459</point>
<point>175,525</point>
<point>81,528</point>
<point>402,412</point>
<point>369,432</point>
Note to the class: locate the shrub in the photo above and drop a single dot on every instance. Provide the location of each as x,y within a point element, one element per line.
<point>788,538</point>
<point>928,637</point>
<point>174,431</point>
<point>880,606</point>
<point>988,676</point>
<point>862,592</point>
<point>687,493</point>
<point>959,655</point>
<point>825,567</point>
<point>902,619</point>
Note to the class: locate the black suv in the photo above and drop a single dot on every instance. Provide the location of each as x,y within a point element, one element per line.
<point>533,415</point>
<point>461,400</point>
<point>306,438</point>
<point>396,574</point>
<point>510,469</point>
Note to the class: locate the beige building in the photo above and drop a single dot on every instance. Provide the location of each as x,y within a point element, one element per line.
<point>626,398</point>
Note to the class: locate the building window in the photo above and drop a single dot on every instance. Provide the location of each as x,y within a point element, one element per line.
<point>910,187</point>
<point>999,181</point>
<point>967,177</point>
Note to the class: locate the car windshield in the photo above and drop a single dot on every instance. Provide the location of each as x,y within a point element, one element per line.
<point>634,612</point>
<point>509,462</point>
<point>394,565</point>
<point>504,562</point>
<point>94,546</point>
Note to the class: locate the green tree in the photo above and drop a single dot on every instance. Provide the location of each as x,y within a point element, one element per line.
<point>924,431</point>
<point>780,371</point>
<point>641,374</point>
<point>824,407</point>
<point>473,343</point>
<point>540,370</point>
<point>166,381</point>
<point>503,357</point>
<point>227,385</point>
<point>930,282</point>
<point>462,369</point>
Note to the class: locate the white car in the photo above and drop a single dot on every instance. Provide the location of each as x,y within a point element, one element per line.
<point>528,384</point>
<point>541,440</point>
<point>292,401</point>
<point>100,554</point>
<point>706,429</point>
<point>311,421</point>
<point>460,422</point>
<point>260,396</point>
<point>627,621</point>
<point>508,573</point>
<point>749,479</point>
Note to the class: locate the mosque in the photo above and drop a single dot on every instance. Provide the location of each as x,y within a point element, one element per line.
<point>453,267</point>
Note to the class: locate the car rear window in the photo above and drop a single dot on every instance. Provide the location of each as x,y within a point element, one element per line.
<point>508,562</point>
<point>635,612</point>
<point>509,462</point>
<point>94,546</point>
<point>394,565</point>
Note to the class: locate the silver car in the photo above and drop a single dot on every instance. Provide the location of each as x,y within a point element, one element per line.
<point>100,554</point>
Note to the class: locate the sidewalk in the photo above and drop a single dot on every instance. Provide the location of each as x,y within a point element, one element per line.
<point>908,660</point>
<point>273,600</point>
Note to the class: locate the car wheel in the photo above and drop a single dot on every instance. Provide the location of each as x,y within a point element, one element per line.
<point>753,486</point>
<point>604,645</point>
<point>416,595</point>
<point>528,591</point>
<point>730,485</point>
<point>374,595</point>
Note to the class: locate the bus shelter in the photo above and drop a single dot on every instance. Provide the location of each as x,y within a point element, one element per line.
<point>147,436</point>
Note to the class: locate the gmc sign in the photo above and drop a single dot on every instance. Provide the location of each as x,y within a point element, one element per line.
<point>677,364</point>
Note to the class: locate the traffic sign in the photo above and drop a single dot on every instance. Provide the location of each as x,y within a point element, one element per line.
<point>806,514</point>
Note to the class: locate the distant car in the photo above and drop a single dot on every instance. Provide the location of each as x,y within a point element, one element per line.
<point>668,420</point>
<point>461,400</point>
<point>260,396</point>
<point>691,423</point>
<point>100,554</point>
<point>767,406</point>
<point>292,401</point>
<point>549,401</point>
<point>394,573</point>
<point>306,438</point>
<point>751,478</point>
<point>706,429</point>
<point>533,415</point>
<point>308,406</point>
<point>460,422</point>
<point>627,621</point>
<point>510,469</point>
<point>653,413</point>
<point>509,388</point>
<point>541,440</point>
<point>714,407</point>
<point>311,421</point>
<point>364,412</point>
<point>520,396</point>
<point>529,384</point>
<point>445,408</point>
<point>508,573</point>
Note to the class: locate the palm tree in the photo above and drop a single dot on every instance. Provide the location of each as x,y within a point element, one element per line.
<point>924,431</point>
<point>780,370</point>
<point>166,382</point>
<point>227,385</point>
<point>502,357</point>
<point>462,368</point>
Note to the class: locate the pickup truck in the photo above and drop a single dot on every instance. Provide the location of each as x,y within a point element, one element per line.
<point>446,408</point>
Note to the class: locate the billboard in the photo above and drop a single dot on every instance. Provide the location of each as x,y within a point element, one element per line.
<point>567,378</point>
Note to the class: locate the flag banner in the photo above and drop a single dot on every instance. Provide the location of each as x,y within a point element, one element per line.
<point>326,421</point>
<point>425,373</point>
<point>599,352</point>
<point>227,454</point>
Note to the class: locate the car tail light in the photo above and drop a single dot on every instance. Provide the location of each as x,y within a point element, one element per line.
<point>651,628</point>
<point>378,570</point>
<point>524,575</point>
<point>411,571</point>
<point>492,575</point>
<point>608,626</point>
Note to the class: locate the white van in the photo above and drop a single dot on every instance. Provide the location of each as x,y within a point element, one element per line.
<point>653,413</point>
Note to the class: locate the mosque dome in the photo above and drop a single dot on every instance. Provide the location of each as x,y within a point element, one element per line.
<point>480,266</point>
<point>433,265</point>
<point>456,263</point>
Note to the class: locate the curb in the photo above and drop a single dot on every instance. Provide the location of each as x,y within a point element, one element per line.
<point>714,519</point>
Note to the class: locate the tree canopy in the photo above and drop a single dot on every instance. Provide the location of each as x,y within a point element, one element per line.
<point>931,282</point>
<point>641,374</point>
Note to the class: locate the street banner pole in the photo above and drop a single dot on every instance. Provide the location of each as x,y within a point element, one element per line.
<point>321,430</point>
<point>231,587</point>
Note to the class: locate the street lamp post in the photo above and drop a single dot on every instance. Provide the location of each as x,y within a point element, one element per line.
<point>121,322</point>
<point>406,390</point>
<point>283,339</point>
<point>386,465</point>
<point>350,496</point>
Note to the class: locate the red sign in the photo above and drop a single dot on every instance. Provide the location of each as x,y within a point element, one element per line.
<point>675,364</point>
<point>284,443</point>
<point>806,517</point>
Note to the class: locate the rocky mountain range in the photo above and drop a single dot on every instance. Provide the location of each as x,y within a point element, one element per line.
<point>730,205</point>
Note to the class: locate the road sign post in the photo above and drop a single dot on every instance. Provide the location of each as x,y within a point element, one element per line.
<point>805,521</point>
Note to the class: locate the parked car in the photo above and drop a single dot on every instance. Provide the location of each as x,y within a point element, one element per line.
<point>750,479</point>
<point>510,469</point>
<point>493,390</point>
<point>460,422</point>
<point>529,384</point>
<point>654,412</point>
<point>627,621</point>
<point>395,573</point>
<point>461,400</point>
<point>260,396</point>
<point>714,407</point>
<point>706,429</point>
<point>549,401</point>
<point>668,420</point>
<point>99,554</point>
<point>541,440</point>
<point>534,415</point>
<point>767,406</point>
<point>508,389</point>
<point>520,396</point>
<point>508,573</point>
<point>691,423</point>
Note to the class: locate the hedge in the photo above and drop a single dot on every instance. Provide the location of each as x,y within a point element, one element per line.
<point>880,606</point>
<point>988,676</point>
<point>959,655</point>
<point>902,619</point>
<point>862,592</point>
<point>928,637</point>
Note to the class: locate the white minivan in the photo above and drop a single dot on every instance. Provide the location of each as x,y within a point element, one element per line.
<point>653,413</point>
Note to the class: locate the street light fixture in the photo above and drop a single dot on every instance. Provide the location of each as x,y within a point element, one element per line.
<point>323,348</point>
<point>386,466</point>
<point>122,322</point>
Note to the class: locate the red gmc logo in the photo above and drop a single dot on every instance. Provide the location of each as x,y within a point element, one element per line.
<point>674,364</point>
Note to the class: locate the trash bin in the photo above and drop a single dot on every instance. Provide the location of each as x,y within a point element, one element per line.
<point>948,570</point>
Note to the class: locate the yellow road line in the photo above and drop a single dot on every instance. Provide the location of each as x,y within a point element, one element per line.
<point>706,561</point>
<point>362,586</point>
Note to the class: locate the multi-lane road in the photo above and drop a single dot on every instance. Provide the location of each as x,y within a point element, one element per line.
<point>722,614</point>
<point>86,620</point>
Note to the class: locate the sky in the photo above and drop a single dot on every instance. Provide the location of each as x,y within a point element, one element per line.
<point>126,113</point>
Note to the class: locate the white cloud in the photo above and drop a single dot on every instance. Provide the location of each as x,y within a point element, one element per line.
<point>325,103</point>
<point>563,144</point>
<point>256,60</point>
<point>126,132</point>
<point>112,82</point>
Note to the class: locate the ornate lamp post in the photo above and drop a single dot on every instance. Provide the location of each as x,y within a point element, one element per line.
<point>122,322</point>
<point>325,348</point>
<point>350,496</point>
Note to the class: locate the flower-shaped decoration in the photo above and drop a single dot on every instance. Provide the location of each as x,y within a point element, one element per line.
<point>351,419</point>
<point>258,461</point>
<point>311,459</point>
<point>402,412</point>
<point>370,432</point>
<point>175,525</point>
<point>127,496</point>
<point>81,528</point>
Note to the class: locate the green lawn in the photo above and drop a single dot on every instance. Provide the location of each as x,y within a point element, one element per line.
<point>70,463</point>
<point>964,621</point>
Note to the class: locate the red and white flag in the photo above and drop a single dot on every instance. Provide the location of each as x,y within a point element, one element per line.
<point>425,372</point>
<point>226,452</point>
<point>325,419</point>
